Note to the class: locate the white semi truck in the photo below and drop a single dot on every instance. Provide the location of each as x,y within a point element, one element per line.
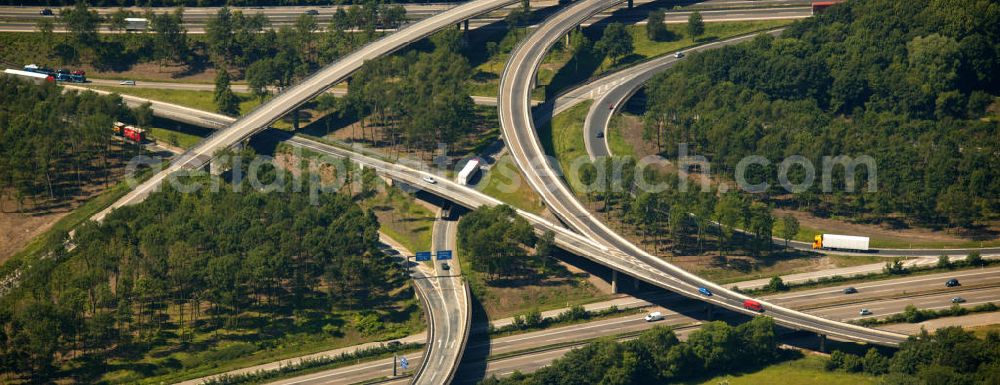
<point>840,242</point>
<point>468,172</point>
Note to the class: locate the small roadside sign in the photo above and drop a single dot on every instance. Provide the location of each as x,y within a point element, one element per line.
<point>443,255</point>
<point>423,256</point>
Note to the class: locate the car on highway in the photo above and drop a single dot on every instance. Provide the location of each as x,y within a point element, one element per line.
<point>957,300</point>
<point>679,54</point>
<point>704,291</point>
<point>312,12</point>
<point>393,344</point>
<point>429,180</point>
<point>654,316</point>
<point>952,283</point>
<point>127,83</point>
<point>850,290</point>
<point>46,12</point>
<point>865,312</point>
<point>444,266</point>
<point>600,134</point>
<point>753,305</point>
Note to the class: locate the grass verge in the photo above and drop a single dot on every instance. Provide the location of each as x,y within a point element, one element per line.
<point>808,370</point>
<point>505,182</point>
<point>201,100</point>
<point>562,137</point>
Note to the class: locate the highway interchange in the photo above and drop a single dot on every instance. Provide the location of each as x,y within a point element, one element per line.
<point>24,19</point>
<point>594,240</point>
<point>868,292</point>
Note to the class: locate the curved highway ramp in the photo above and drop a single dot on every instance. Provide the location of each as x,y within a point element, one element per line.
<point>518,129</point>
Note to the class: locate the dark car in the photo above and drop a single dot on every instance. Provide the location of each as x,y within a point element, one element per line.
<point>850,290</point>
<point>600,134</point>
<point>958,300</point>
<point>444,266</point>
<point>45,12</point>
<point>952,283</point>
<point>312,12</point>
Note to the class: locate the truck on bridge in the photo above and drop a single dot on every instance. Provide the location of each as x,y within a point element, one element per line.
<point>468,172</point>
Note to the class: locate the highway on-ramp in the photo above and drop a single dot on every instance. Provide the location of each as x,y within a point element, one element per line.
<point>516,84</point>
<point>293,97</point>
<point>451,332</point>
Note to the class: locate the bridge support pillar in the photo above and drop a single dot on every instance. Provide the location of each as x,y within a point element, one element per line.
<point>465,25</point>
<point>630,3</point>
<point>709,309</point>
<point>614,281</point>
<point>822,343</point>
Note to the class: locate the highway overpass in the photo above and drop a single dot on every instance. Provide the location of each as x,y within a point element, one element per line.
<point>294,96</point>
<point>516,84</point>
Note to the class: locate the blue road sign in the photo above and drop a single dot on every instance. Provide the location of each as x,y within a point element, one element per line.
<point>423,256</point>
<point>404,363</point>
<point>443,254</point>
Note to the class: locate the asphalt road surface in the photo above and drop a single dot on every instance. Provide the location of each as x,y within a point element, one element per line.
<point>879,296</point>
<point>267,113</point>
<point>519,132</point>
<point>452,310</point>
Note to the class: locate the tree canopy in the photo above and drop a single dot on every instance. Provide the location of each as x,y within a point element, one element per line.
<point>911,93</point>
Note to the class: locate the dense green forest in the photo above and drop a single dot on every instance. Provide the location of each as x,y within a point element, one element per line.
<point>418,99</point>
<point>657,356</point>
<point>907,83</point>
<point>949,356</point>
<point>186,273</point>
<point>496,240</point>
<point>54,144</point>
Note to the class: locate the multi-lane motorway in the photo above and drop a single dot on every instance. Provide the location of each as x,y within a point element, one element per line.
<point>882,297</point>
<point>453,312</point>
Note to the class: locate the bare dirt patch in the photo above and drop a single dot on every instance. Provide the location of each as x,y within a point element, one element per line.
<point>629,127</point>
<point>154,72</point>
<point>19,228</point>
<point>879,232</point>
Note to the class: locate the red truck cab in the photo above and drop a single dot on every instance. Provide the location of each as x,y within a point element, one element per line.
<point>753,305</point>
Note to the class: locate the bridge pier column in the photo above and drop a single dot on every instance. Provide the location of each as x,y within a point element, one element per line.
<point>465,24</point>
<point>709,309</point>
<point>630,3</point>
<point>614,281</point>
<point>822,343</point>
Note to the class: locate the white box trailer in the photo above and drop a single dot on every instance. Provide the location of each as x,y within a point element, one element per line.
<point>468,172</point>
<point>841,242</point>
<point>34,76</point>
<point>136,24</point>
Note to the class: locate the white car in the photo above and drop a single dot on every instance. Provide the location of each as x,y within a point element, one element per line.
<point>127,83</point>
<point>678,54</point>
<point>654,316</point>
<point>429,180</point>
<point>865,312</point>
